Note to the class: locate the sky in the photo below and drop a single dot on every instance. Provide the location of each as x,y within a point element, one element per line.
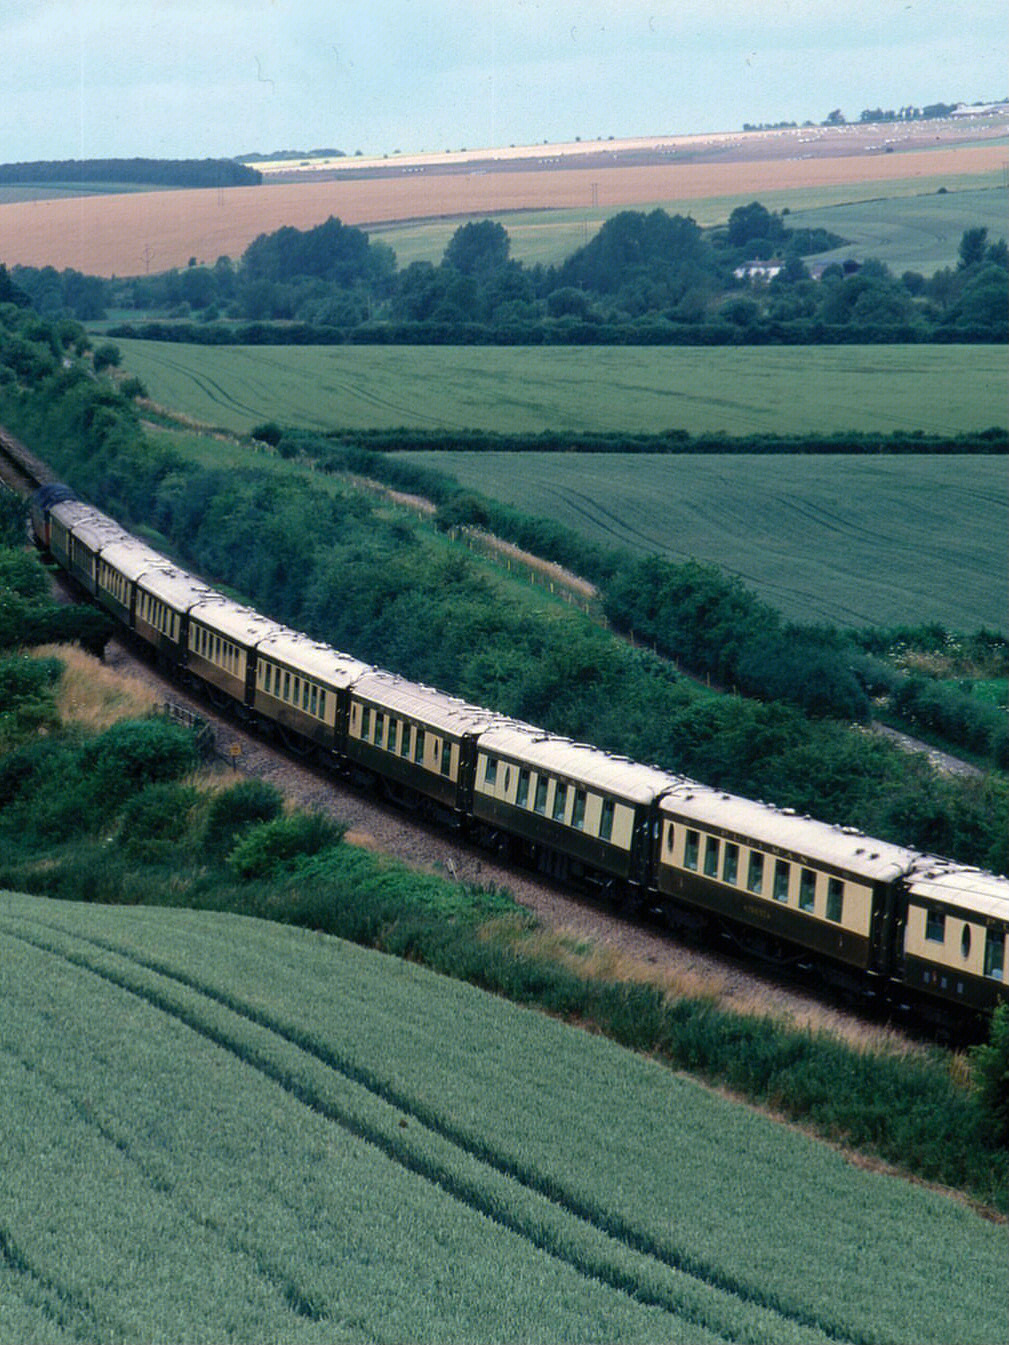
<point>208,78</point>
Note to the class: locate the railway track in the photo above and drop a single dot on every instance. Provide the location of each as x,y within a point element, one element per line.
<point>638,947</point>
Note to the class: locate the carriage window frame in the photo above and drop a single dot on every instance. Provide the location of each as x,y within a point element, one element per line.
<point>578,810</point>
<point>560,802</point>
<point>835,900</point>
<point>755,873</point>
<point>782,878</point>
<point>994,954</point>
<point>712,854</point>
<point>540,797</point>
<point>522,789</point>
<point>606,819</point>
<point>730,863</point>
<point>935,926</point>
<point>691,849</point>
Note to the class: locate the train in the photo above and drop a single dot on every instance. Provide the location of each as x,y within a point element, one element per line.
<point>882,920</point>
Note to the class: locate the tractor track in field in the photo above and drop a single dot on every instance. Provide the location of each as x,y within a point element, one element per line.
<point>575,1231</point>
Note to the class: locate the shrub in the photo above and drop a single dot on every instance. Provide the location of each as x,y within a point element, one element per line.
<point>238,808</point>
<point>156,820</point>
<point>135,753</point>
<point>990,1074</point>
<point>268,848</point>
<point>105,356</point>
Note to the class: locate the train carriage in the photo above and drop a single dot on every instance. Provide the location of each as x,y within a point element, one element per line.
<point>795,882</point>
<point>576,810</point>
<point>162,599</point>
<point>120,564</point>
<point>419,740</point>
<point>40,506</point>
<point>955,937</point>
<point>220,642</point>
<point>303,686</point>
<point>77,533</point>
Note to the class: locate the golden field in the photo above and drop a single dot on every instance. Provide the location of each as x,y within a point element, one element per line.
<point>130,234</point>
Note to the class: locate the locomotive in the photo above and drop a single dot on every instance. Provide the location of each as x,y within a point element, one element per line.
<point>882,919</point>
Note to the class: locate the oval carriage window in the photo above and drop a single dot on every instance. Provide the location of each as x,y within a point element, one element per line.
<point>965,941</point>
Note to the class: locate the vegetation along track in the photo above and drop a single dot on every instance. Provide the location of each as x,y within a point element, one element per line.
<point>596,1242</point>
<point>631,948</point>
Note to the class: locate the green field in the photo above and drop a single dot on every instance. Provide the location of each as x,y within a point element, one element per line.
<point>778,390</point>
<point>852,540</point>
<point>218,1129</point>
<point>909,233</point>
<point>903,222</point>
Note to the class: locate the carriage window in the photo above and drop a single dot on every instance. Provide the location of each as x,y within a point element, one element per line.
<point>780,880</point>
<point>379,729</point>
<point>304,695</point>
<point>322,705</point>
<point>366,722</point>
<point>711,848</point>
<point>522,797</point>
<point>691,848</point>
<point>670,836</point>
<point>418,746</point>
<point>404,746</point>
<point>730,864</point>
<point>755,874</point>
<point>446,758</point>
<point>540,802</point>
<point>935,926</point>
<point>490,771</point>
<point>560,802</point>
<point>287,686</point>
<point>314,705</point>
<point>965,941</point>
<point>835,899</point>
<point>807,889</point>
<point>606,821</point>
<point>994,953</point>
<point>578,812</point>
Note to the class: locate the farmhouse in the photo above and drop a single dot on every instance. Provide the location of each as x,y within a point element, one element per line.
<point>758,270</point>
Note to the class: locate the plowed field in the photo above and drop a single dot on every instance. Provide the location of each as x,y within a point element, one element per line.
<point>132,234</point>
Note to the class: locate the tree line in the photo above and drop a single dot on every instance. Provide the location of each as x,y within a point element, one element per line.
<point>645,278</point>
<point>143,172</point>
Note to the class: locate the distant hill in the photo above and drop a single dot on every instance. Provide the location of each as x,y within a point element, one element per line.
<point>156,172</point>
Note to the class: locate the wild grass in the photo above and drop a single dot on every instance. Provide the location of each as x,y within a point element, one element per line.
<point>93,696</point>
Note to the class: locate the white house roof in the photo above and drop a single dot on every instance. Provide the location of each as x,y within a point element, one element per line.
<point>970,890</point>
<point>577,761</point>
<point>838,847</point>
<point>411,699</point>
<point>304,655</point>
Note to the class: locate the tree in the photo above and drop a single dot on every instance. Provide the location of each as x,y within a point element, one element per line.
<point>972,248</point>
<point>990,1073</point>
<point>477,249</point>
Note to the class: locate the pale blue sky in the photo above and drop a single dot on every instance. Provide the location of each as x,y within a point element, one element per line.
<point>192,78</point>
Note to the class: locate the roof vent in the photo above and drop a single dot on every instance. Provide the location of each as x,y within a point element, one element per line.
<point>788,812</point>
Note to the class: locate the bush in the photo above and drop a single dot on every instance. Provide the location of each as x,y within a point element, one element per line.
<point>135,753</point>
<point>268,848</point>
<point>990,1074</point>
<point>156,820</point>
<point>238,808</point>
<point>106,356</point>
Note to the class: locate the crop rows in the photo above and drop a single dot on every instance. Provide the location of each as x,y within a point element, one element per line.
<point>854,540</point>
<point>687,1230</point>
<point>775,390</point>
